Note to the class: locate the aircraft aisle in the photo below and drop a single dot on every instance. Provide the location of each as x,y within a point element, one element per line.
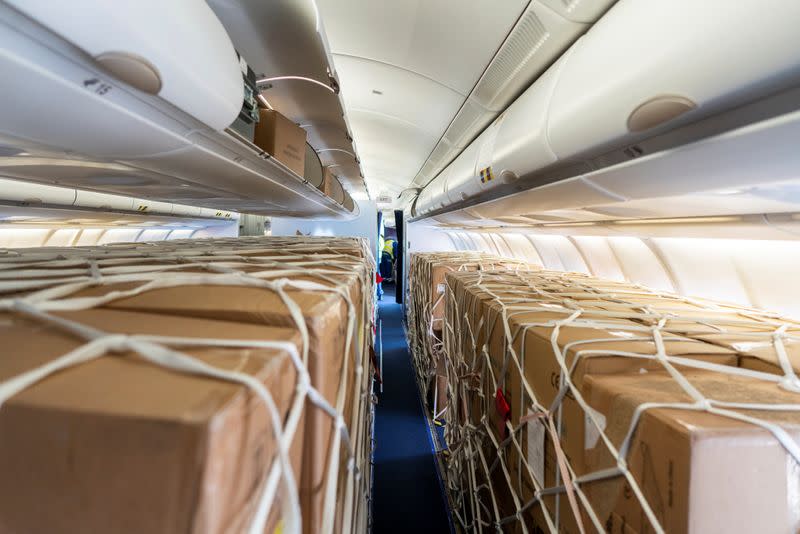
<point>407,491</point>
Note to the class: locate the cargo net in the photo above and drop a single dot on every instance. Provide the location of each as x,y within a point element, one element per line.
<point>426,292</point>
<point>580,405</point>
<point>41,284</point>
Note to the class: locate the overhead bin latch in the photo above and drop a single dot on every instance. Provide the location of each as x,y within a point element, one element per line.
<point>134,70</point>
<point>657,111</point>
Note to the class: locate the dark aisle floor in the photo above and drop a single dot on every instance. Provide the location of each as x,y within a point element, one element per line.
<point>407,492</point>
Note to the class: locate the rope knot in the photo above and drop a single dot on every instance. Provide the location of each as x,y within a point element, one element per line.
<point>704,404</point>
<point>117,342</point>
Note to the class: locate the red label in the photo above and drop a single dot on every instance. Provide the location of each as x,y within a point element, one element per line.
<point>503,410</point>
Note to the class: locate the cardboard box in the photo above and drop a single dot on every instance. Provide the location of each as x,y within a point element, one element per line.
<point>478,315</point>
<point>122,445</point>
<point>699,472</point>
<point>531,325</point>
<point>332,187</point>
<point>282,139</point>
<point>325,316</point>
<point>427,274</point>
<point>346,267</point>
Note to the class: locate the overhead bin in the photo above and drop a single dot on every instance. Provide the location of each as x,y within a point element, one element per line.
<point>512,146</point>
<point>192,65</point>
<point>521,144</point>
<point>641,70</point>
<point>32,194</point>
<point>457,182</point>
<point>146,205</point>
<point>93,199</point>
<point>285,43</point>
<point>720,175</point>
<point>544,30</point>
<point>35,194</point>
<point>66,106</point>
<point>431,198</point>
<point>182,210</point>
<point>572,193</point>
<point>495,157</point>
<point>651,64</point>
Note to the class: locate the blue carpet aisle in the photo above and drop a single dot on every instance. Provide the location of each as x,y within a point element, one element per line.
<point>407,492</point>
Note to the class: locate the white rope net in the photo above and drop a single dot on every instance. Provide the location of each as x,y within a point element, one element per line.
<point>580,405</point>
<point>48,285</point>
<point>426,289</point>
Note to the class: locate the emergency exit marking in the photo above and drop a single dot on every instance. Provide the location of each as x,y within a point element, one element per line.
<point>487,175</point>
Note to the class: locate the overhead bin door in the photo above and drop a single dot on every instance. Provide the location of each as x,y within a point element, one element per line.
<point>645,64</point>
<point>522,145</point>
<point>461,177</point>
<point>177,50</point>
<point>92,199</point>
<point>28,193</point>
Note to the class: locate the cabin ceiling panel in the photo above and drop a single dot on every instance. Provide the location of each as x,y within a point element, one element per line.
<point>405,69</point>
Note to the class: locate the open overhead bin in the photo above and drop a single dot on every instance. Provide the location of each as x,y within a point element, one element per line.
<point>284,42</point>
<point>69,103</point>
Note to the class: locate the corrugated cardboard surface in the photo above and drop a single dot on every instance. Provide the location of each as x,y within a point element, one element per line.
<point>247,313</point>
<point>120,445</point>
<point>332,187</point>
<point>680,459</point>
<point>427,282</point>
<point>282,139</point>
<point>700,472</point>
<point>325,316</point>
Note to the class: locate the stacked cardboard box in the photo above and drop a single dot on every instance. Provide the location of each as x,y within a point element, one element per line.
<point>580,404</point>
<point>426,312</point>
<point>282,139</point>
<point>122,444</point>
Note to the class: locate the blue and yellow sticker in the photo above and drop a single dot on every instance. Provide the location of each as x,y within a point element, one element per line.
<point>487,175</point>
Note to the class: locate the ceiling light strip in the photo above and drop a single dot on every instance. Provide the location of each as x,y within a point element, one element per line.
<point>299,78</point>
<point>336,150</point>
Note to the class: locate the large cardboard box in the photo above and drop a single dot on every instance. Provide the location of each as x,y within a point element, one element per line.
<point>325,316</point>
<point>121,445</point>
<point>427,283</point>
<point>282,139</point>
<point>329,272</point>
<point>699,472</point>
<point>492,314</point>
<point>503,318</point>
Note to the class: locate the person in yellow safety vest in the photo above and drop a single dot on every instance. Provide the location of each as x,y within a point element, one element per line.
<point>386,266</point>
<point>389,247</point>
